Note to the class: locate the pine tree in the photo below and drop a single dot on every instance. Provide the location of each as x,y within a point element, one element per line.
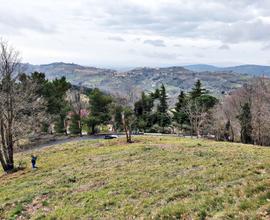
<point>117,117</point>
<point>163,105</point>
<point>245,118</point>
<point>197,90</point>
<point>162,114</point>
<point>59,126</point>
<point>54,93</point>
<point>180,115</point>
<point>155,95</point>
<point>99,109</point>
<point>182,101</point>
<point>143,111</point>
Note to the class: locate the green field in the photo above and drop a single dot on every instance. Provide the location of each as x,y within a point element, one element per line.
<point>153,178</point>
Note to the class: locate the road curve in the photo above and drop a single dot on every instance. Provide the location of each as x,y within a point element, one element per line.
<point>63,141</point>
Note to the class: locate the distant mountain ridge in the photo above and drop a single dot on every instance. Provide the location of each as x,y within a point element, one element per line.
<point>69,70</point>
<point>132,83</point>
<point>254,70</point>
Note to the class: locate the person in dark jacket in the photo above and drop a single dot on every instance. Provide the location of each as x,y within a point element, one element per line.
<point>33,161</point>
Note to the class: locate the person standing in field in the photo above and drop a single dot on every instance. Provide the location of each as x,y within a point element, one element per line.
<point>33,161</point>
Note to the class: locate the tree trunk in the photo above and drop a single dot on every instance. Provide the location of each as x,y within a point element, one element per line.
<point>6,153</point>
<point>93,129</point>
<point>127,134</point>
<point>6,158</point>
<point>66,127</point>
<point>198,133</point>
<point>127,130</point>
<point>80,127</point>
<point>3,162</point>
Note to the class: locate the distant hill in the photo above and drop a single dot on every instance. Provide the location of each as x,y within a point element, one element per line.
<point>254,70</point>
<point>135,81</point>
<point>72,71</point>
<point>202,68</point>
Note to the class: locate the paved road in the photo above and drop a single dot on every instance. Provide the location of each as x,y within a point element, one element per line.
<point>67,140</point>
<point>84,138</point>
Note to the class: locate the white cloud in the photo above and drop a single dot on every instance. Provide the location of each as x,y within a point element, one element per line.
<point>116,39</point>
<point>224,47</point>
<point>156,43</point>
<point>90,31</point>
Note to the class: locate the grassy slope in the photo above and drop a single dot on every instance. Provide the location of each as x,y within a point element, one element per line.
<point>155,177</point>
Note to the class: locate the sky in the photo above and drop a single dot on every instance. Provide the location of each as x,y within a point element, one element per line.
<point>133,33</point>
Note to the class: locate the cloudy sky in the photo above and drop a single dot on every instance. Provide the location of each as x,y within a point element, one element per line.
<point>129,33</point>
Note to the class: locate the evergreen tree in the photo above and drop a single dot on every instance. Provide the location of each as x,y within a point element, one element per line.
<point>74,127</point>
<point>118,118</point>
<point>143,111</point>
<point>99,109</point>
<point>180,115</point>
<point>197,90</point>
<point>164,120</point>
<point>57,106</point>
<point>163,105</point>
<point>40,80</point>
<point>163,117</point>
<point>116,112</point>
<point>181,102</point>
<point>155,95</point>
<point>54,93</point>
<point>59,124</point>
<point>245,118</point>
<point>206,101</point>
<point>198,108</point>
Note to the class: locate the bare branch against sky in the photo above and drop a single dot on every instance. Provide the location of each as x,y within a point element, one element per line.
<point>138,32</point>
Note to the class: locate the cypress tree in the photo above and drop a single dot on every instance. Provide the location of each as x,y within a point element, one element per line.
<point>163,105</point>
<point>162,114</point>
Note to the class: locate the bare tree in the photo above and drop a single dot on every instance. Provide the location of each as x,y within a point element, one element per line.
<point>257,94</point>
<point>197,115</point>
<point>78,105</point>
<point>260,111</point>
<point>20,106</point>
<point>225,124</point>
<point>128,120</point>
<point>219,122</point>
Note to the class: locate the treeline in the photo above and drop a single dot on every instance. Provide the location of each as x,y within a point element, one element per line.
<point>189,115</point>
<point>240,116</point>
<point>195,113</point>
<point>67,112</point>
<point>244,114</point>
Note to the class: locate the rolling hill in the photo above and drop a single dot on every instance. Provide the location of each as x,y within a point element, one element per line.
<point>153,178</point>
<point>142,79</point>
<point>253,70</point>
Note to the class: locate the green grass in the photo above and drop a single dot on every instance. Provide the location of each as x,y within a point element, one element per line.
<point>153,178</point>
